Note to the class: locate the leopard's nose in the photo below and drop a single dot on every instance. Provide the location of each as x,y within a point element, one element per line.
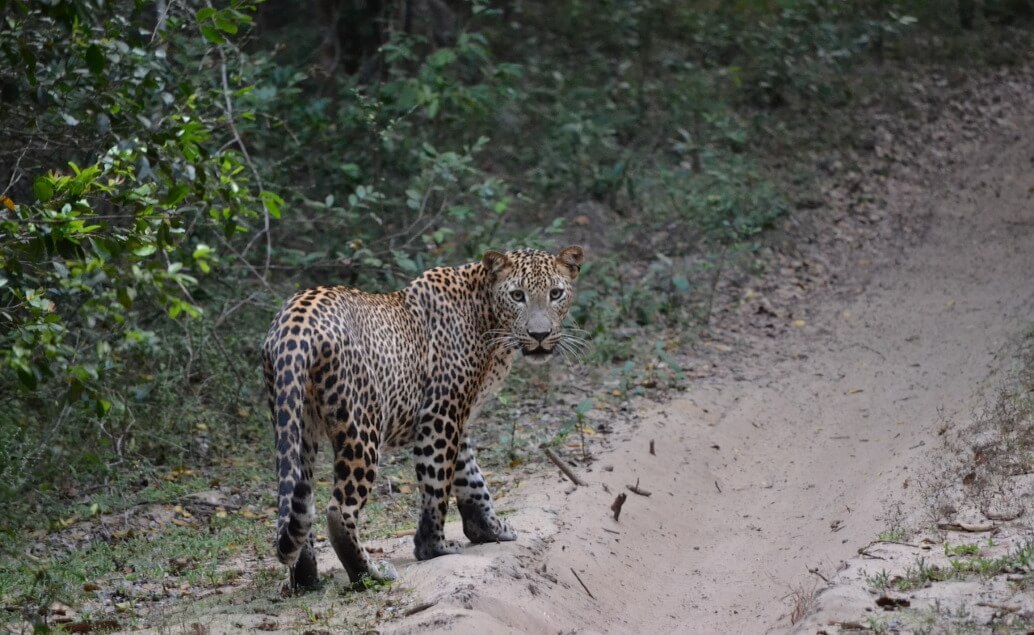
<point>539,335</point>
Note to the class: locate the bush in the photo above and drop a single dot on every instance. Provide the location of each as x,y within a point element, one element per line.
<point>104,253</point>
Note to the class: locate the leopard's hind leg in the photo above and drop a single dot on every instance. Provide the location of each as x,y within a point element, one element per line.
<point>353,430</point>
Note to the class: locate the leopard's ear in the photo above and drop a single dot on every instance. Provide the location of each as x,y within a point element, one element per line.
<point>571,258</point>
<point>496,263</point>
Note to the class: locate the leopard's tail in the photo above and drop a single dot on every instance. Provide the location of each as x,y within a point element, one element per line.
<point>286,373</point>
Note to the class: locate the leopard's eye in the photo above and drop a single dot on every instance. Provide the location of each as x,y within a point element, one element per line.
<point>556,294</point>
<point>517,295</point>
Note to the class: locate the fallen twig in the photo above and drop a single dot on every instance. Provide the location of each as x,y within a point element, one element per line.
<point>582,583</point>
<point>864,552</point>
<point>423,606</point>
<point>890,542</point>
<point>636,490</point>
<point>564,467</point>
<point>968,527</point>
<point>818,573</point>
<point>1000,607</point>
<point>717,488</point>
<point>616,505</point>
<point>610,531</point>
<point>651,448</point>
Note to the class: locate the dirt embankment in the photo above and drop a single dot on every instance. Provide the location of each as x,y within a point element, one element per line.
<point>820,420</point>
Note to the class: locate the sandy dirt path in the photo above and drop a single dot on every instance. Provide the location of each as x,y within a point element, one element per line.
<point>792,458</point>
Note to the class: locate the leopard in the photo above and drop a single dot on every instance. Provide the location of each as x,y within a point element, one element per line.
<point>369,372</point>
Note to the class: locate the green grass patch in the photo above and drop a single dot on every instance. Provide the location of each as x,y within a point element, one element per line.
<point>134,570</point>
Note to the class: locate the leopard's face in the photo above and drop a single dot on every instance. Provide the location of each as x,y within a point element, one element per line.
<point>532,292</point>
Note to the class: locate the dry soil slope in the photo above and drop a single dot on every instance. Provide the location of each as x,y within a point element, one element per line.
<point>791,461</point>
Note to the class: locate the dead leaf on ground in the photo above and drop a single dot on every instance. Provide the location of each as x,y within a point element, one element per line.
<point>92,626</point>
<point>889,604</point>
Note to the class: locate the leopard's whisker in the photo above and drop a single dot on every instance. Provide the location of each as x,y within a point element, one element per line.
<point>574,336</point>
<point>581,347</point>
<point>564,354</point>
<point>570,354</point>
<point>574,340</point>
<point>575,344</point>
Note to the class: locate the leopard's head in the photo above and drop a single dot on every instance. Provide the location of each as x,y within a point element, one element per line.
<point>531,293</point>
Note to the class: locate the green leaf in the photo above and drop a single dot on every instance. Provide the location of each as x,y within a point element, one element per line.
<point>103,407</point>
<point>212,34</point>
<point>441,57</point>
<point>175,195</point>
<point>144,250</point>
<point>225,24</point>
<point>205,13</point>
<point>43,189</point>
<point>681,283</point>
<point>202,251</point>
<point>28,378</point>
<point>272,203</point>
<point>95,59</point>
<point>124,298</point>
<point>405,262</point>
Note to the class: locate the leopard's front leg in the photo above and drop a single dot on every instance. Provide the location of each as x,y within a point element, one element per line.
<point>435,453</point>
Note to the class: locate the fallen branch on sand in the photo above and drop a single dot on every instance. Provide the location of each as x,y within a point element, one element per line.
<point>635,489</point>
<point>582,583</point>
<point>564,467</point>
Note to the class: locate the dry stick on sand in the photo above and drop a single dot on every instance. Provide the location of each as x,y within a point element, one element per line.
<point>818,573</point>
<point>564,467</point>
<point>423,606</point>
<point>635,489</point>
<point>582,583</point>
<point>970,527</point>
<point>616,505</point>
<point>651,448</point>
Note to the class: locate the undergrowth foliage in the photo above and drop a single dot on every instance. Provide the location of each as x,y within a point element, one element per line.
<point>172,170</point>
<point>127,197</point>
